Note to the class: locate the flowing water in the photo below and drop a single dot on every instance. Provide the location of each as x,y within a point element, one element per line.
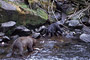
<point>55,48</point>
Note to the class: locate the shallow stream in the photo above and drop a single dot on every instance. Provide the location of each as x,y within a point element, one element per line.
<point>55,48</point>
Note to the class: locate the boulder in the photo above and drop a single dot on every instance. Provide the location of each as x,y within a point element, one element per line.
<point>85,37</point>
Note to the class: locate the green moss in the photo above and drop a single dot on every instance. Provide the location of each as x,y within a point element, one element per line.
<point>5,0</point>
<point>0,4</point>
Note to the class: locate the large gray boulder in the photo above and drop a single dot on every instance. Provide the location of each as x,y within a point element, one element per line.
<point>85,37</point>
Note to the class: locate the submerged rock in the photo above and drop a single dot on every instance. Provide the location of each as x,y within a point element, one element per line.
<point>85,37</point>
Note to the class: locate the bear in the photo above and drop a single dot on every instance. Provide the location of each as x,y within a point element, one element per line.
<point>21,43</point>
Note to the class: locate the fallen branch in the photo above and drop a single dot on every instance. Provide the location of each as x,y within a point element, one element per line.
<point>79,12</point>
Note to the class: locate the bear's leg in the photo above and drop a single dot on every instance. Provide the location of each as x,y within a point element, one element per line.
<point>20,47</point>
<point>29,47</point>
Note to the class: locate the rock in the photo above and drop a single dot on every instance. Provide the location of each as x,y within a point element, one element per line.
<point>42,27</point>
<point>85,19</point>
<point>23,28</point>
<point>1,50</point>
<point>4,39</point>
<point>85,37</point>
<point>19,1</point>
<point>59,22</point>
<point>64,7</point>
<point>0,40</point>
<point>74,23</point>
<point>8,24</point>
<point>21,31</point>
<point>78,31</point>
<point>2,34</point>
<point>36,35</point>
<point>7,6</point>
<point>57,16</point>
<point>70,35</point>
<point>86,29</point>
<point>12,0</point>
<point>70,10</point>
<point>50,44</point>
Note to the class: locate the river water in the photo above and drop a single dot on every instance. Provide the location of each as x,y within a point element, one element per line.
<point>55,48</point>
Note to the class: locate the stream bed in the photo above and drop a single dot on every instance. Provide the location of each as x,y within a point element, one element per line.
<point>55,48</point>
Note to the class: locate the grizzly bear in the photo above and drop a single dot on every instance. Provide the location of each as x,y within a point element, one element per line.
<point>22,43</point>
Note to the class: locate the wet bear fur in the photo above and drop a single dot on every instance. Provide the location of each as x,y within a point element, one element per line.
<point>22,43</point>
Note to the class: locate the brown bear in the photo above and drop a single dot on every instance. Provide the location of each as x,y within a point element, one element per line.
<point>22,43</point>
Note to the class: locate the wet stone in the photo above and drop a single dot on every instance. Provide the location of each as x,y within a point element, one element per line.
<point>85,37</point>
